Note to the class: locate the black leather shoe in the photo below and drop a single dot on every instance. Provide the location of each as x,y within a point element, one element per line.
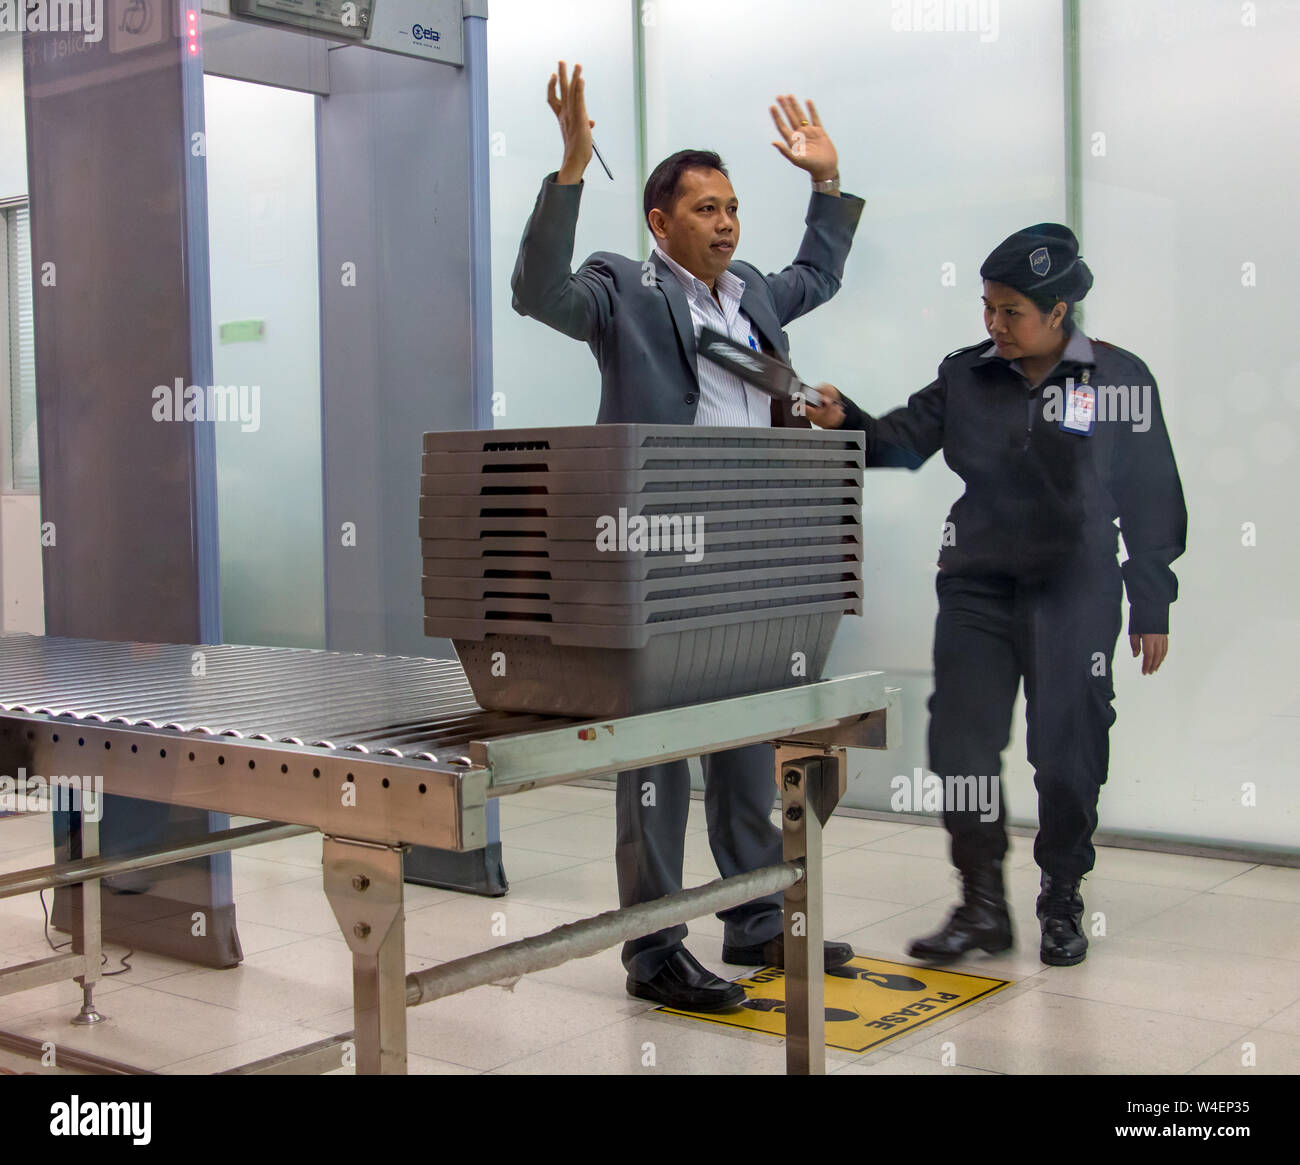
<point>1060,914</point>
<point>982,921</point>
<point>772,954</point>
<point>681,982</point>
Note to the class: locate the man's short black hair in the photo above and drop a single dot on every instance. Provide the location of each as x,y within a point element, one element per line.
<point>663,186</point>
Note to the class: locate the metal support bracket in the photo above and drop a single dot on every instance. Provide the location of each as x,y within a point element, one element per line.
<point>833,782</point>
<point>364,885</point>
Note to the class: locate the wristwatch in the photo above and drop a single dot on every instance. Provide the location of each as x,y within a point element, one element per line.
<point>830,186</point>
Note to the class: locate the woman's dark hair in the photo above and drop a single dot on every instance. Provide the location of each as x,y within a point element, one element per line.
<point>661,188</point>
<point>1044,301</point>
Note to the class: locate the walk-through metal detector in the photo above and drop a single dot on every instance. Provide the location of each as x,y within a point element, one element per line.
<point>117,184</point>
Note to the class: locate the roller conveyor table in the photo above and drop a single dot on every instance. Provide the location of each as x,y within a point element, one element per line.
<point>382,752</point>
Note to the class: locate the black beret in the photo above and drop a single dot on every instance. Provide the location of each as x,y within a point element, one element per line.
<point>1041,260</point>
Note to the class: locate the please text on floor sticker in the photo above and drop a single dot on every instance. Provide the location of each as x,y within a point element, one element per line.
<point>868,1001</point>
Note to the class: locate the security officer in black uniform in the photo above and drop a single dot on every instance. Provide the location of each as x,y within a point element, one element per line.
<point>1056,436</point>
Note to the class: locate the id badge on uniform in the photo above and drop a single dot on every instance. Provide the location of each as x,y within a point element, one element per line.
<point>1080,408</point>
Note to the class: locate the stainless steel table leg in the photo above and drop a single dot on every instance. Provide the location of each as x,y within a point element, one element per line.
<point>811,787</point>
<point>87,937</point>
<point>805,987</point>
<point>364,885</point>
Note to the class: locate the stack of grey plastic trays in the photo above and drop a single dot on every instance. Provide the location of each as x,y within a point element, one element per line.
<point>605,570</point>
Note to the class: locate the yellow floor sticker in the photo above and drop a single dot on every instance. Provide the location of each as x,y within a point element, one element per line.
<point>868,1001</point>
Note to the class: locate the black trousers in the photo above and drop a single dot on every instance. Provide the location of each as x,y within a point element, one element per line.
<point>1060,636</point>
<point>652,805</point>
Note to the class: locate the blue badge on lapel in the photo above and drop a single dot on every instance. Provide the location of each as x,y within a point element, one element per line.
<point>1040,262</point>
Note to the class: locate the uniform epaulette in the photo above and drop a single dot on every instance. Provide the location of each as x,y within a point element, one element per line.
<point>1123,352</point>
<point>971,348</point>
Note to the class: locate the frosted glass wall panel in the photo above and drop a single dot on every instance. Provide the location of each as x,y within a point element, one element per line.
<point>1190,112</point>
<point>13,127</point>
<point>547,378</point>
<point>264,268</point>
<point>954,137</point>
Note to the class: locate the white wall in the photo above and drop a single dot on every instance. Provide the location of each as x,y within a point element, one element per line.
<point>547,378</point>
<point>1199,177</point>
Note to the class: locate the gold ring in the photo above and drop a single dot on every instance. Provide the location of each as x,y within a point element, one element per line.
<point>803,123</point>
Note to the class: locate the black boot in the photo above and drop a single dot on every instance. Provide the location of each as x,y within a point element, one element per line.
<point>1060,913</point>
<point>981,922</point>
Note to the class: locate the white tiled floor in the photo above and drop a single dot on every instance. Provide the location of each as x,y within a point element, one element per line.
<point>1198,968</point>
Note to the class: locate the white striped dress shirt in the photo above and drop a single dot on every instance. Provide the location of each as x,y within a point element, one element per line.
<point>725,399</point>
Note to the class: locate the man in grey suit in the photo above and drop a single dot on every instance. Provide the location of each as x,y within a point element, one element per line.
<point>641,320</point>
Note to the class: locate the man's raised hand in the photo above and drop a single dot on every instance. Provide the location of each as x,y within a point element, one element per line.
<point>570,109</point>
<point>804,141</point>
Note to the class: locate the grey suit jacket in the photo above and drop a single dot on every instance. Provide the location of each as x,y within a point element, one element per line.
<point>636,318</point>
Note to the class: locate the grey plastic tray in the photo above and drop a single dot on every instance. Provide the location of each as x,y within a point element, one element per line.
<point>784,538</point>
<point>613,635</point>
<point>647,611</point>
<point>572,460</point>
<point>625,436</point>
<point>578,528</point>
<point>674,666</point>
<point>657,481</point>
<point>625,591</point>
<point>659,566</point>
<point>593,505</point>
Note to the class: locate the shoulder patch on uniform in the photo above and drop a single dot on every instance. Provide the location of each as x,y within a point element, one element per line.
<point>969,348</point>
